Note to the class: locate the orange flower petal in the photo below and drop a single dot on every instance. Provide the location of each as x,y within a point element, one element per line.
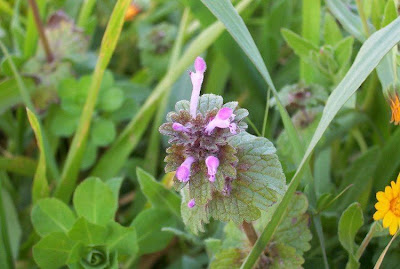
<point>388,219</point>
<point>389,193</point>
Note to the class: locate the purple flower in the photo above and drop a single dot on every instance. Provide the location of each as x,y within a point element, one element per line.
<point>223,119</point>
<point>179,127</point>
<point>191,203</point>
<point>212,166</point>
<point>197,79</point>
<point>183,171</point>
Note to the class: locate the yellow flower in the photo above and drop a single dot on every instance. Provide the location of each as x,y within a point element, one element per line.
<point>388,206</point>
<point>395,107</point>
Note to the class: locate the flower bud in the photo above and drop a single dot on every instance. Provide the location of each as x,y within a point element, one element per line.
<point>191,203</point>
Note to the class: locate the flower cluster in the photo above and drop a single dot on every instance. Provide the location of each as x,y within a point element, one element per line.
<point>388,206</point>
<point>395,107</point>
<point>199,131</point>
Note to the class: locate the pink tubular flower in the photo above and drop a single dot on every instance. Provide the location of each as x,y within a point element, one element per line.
<point>191,203</point>
<point>212,166</point>
<point>183,171</point>
<point>179,127</point>
<point>222,120</point>
<point>197,79</point>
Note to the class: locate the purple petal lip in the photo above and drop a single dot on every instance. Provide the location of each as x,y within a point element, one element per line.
<point>183,171</point>
<point>212,164</point>
<point>191,203</point>
<point>224,113</point>
<point>179,127</point>
<point>182,174</point>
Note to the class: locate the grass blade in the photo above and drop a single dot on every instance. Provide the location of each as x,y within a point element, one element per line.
<point>40,188</point>
<point>75,154</point>
<point>310,30</point>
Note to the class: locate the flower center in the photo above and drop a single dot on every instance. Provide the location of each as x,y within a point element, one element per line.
<point>395,206</point>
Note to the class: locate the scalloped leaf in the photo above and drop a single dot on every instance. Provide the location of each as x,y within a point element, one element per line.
<point>259,184</point>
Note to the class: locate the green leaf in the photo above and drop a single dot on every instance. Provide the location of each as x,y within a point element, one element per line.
<point>53,250</point>
<point>370,54</point>
<point>302,47</point>
<point>227,258</point>
<point>350,222</point>
<point>148,225</point>
<point>51,215</point>
<point>260,183</point>
<point>88,233</point>
<point>332,32</point>
<point>157,194</point>
<point>112,99</point>
<point>95,201</point>
<point>350,22</point>
<point>343,51</point>
<point>294,230</point>
<point>390,13</point>
<point>360,172</point>
<point>62,123</point>
<point>115,185</point>
<point>40,188</point>
<point>122,239</point>
<point>103,132</point>
<point>76,151</point>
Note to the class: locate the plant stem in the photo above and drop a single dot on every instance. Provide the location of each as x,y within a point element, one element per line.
<point>250,232</point>
<point>40,28</point>
<point>363,18</point>
<point>380,260</point>
<point>366,241</point>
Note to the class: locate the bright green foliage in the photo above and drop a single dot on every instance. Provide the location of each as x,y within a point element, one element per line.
<point>157,194</point>
<point>350,222</point>
<point>103,209</point>
<point>51,215</point>
<point>94,240</point>
<point>286,249</point>
<point>148,225</point>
